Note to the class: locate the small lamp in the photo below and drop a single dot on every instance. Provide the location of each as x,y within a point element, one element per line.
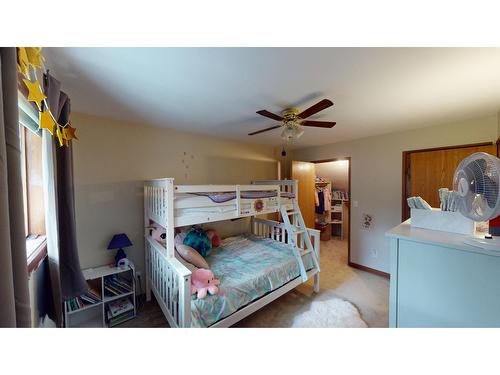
<point>118,242</point>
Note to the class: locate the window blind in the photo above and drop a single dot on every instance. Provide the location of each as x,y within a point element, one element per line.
<point>28,116</point>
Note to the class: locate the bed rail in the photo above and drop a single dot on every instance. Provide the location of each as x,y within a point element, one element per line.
<point>159,204</point>
<point>277,231</point>
<point>170,282</point>
<point>286,186</point>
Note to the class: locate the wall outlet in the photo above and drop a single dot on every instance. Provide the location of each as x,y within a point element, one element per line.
<point>373,253</point>
<point>355,203</point>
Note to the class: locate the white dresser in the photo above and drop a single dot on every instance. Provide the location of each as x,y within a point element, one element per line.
<point>438,281</point>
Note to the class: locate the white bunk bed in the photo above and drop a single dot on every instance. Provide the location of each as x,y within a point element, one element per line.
<point>174,206</point>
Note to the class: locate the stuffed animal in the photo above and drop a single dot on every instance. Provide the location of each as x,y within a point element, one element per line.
<point>198,240</point>
<point>214,237</point>
<point>158,233</point>
<point>203,281</point>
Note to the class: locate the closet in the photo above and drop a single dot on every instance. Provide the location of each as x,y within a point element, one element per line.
<point>324,190</point>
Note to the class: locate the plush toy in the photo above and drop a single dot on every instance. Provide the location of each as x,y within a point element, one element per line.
<point>189,254</point>
<point>203,281</point>
<point>158,233</point>
<point>213,237</point>
<point>198,240</point>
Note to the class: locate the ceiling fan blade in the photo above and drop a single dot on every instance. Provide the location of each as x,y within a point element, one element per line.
<point>265,130</point>
<point>324,104</point>
<point>318,124</point>
<point>265,113</point>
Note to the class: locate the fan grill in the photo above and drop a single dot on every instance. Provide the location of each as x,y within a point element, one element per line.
<point>476,179</point>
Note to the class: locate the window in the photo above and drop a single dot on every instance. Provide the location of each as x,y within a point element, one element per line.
<point>32,185</point>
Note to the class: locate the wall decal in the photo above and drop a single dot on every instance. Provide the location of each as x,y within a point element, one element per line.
<point>366,221</point>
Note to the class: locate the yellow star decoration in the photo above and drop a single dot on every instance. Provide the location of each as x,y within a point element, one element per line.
<point>69,133</point>
<point>59,135</point>
<point>35,93</point>
<point>23,62</point>
<point>46,121</point>
<point>34,55</point>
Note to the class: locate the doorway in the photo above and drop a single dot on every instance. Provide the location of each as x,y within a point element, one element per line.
<point>324,200</point>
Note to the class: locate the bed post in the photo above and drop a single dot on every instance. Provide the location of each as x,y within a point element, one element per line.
<point>170,227</point>
<point>146,247</point>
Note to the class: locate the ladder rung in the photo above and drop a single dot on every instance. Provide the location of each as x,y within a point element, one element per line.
<point>304,252</point>
<point>292,212</point>
<point>300,231</point>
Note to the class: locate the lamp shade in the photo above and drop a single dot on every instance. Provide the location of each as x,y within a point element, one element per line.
<point>118,241</point>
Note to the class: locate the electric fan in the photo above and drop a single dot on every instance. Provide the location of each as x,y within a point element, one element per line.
<point>477,181</point>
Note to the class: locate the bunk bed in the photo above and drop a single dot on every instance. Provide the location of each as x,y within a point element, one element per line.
<point>254,269</point>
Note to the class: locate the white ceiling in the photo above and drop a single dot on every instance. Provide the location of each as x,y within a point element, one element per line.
<point>216,91</point>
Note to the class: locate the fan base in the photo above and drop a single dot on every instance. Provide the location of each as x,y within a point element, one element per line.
<point>492,244</point>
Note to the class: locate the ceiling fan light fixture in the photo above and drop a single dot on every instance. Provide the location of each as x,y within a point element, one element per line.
<point>292,130</point>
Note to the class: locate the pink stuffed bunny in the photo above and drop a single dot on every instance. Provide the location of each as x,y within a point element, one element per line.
<point>203,281</point>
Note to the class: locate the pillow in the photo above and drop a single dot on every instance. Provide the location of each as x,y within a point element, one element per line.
<point>214,237</point>
<point>198,240</point>
<point>190,255</point>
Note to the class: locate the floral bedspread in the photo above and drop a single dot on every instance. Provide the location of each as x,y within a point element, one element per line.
<point>248,268</point>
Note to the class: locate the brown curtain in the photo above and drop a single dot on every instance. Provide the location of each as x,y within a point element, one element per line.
<point>72,281</point>
<point>14,293</point>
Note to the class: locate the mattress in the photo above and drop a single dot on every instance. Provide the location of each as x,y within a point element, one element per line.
<point>248,267</point>
<point>190,200</point>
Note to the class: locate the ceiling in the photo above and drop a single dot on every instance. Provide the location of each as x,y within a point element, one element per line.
<point>216,91</point>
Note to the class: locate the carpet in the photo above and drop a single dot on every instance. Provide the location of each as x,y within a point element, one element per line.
<point>329,312</point>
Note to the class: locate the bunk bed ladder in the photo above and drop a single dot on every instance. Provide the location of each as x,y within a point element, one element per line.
<point>295,227</point>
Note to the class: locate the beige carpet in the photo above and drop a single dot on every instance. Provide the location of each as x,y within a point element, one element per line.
<point>367,293</point>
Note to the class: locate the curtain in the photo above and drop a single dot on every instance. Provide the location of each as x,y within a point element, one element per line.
<point>51,228</point>
<point>14,293</point>
<point>72,281</point>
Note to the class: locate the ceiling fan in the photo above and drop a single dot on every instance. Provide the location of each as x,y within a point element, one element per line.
<point>292,120</point>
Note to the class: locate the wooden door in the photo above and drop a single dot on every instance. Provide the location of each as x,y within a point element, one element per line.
<point>428,170</point>
<point>305,174</point>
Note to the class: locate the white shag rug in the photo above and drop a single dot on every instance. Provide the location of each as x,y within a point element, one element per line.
<point>330,313</point>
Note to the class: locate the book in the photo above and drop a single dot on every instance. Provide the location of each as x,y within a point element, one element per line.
<point>117,287</point>
<point>88,299</point>
<point>120,318</point>
<point>95,293</point>
<point>111,291</point>
<point>120,306</point>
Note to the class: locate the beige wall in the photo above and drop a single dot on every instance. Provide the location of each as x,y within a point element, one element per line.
<point>113,158</point>
<point>376,177</point>
<point>337,172</point>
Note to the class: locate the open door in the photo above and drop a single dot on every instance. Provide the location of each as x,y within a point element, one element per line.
<point>305,174</point>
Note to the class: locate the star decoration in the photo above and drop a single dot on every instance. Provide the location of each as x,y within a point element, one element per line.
<point>35,93</point>
<point>23,62</point>
<point>59,135</point>
<point>46,121</point>
<point>69,133</point>
<point>34,56</point>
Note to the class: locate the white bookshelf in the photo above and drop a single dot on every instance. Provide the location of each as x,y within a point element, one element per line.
<point>338,214</point>
<point>92,316</point>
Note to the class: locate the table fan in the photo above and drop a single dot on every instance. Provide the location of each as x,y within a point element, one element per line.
<point>477,180</point>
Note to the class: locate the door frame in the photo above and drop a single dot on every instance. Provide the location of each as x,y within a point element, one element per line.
<point>405,210</point>
<point>348,158</point>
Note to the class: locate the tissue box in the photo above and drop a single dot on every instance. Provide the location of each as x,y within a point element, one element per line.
<point>446,221</point>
